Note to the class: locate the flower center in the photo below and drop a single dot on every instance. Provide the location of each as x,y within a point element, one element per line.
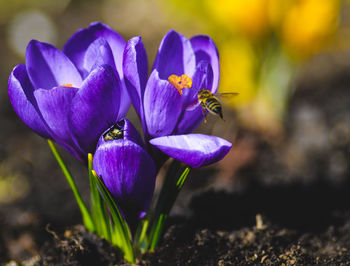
<point>67,85</point>
<point>180,82</point>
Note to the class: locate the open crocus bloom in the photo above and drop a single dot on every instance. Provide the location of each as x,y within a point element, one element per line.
<point>162,109</point>
<point>126,169</point>
<point>55,100</point>
<point>182,67</point>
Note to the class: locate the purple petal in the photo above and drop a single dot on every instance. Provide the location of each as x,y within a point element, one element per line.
<point>129,174</point>
<point>205,49</point>
<point>162,106</point>
<point>77,45</point>
<point>98,53</point>
<point>48,67</point>
<point>95,107</point>
<point>194,150</point>
<point>175,56</point>
<point>128,130</point>
<point>189,120</point>
<point>54,106</point>
<point>202,79</point>
<point>21,96</point>
<point>135,67</point>
<point>125,100</point>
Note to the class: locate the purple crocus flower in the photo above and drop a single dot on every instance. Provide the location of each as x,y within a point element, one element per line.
<point>98,44</point>
<point>70,100</point>
<point>126,169</point>
<point>182,67</point>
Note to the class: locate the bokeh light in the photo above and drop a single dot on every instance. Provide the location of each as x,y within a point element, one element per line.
<point>28,25</point>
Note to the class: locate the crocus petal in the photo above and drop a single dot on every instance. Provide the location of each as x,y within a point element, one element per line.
<point>99,53</point>
<point>77,45</point>
<point>125,100</point>
<point>128,173</point>
<point>54,106</point>
<point>194,150</point>
<point>202,79</point>
<point>48,67</point>
<point>21,96</point>
<point>135,67</point>
<point>205,49</point>
<point>189,120</point>
<point>129,133</point>
<point>175,56</point>
<point>95,107</point>
<point>162,106</point>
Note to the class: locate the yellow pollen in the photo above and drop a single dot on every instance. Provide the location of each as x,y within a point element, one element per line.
<point>67,85</point>
<point>181,82</point>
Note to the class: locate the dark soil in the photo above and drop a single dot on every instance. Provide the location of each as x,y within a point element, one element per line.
<point>290,205</point>
<point>298,226</point>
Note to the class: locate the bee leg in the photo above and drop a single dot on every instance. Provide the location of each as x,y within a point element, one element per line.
<point>204,111</point>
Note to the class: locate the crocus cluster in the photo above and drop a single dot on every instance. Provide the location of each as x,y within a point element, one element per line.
<point>79,97</point>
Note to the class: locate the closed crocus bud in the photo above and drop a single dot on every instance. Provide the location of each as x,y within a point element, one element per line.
<point>126,169</point>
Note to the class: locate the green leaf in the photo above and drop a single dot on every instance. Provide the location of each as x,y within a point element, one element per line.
<point>120,234</point>
<point>141,238</point>
<point>87,220</point>
<point>98,207</point>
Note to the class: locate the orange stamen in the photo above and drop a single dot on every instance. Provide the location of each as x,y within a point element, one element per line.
<point>67,85</point>
<point>181,82</point>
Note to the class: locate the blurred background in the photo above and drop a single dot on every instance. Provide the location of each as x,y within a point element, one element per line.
<point>289,60</point>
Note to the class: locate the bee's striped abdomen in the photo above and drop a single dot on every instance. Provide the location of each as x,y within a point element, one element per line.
<point>213,106</point>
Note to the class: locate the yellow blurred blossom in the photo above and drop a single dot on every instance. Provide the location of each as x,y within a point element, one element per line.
<point>237,70</point>
<point>308,26</point>
<point>277,10</point>
<point>248,17</point>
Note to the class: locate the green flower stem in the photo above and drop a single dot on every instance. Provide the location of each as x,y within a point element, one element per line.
<point>88,222</point>
<point>166,200</point>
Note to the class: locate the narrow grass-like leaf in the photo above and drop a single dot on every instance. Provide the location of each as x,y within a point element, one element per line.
<point>157,229</point>
<point>182,179</point>
<point>141,238</point>
<point>166,200</point>
<point>98,208</point>
<point>87,219</point>
<point>120,227</point>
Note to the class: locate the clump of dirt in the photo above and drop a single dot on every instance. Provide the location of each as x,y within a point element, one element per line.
<point>76,246</point>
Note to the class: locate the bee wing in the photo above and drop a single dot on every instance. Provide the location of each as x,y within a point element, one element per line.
<point>193,105</point>
<point>226,95</point>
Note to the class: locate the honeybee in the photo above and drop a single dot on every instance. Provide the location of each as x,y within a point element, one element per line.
<point>115,132</point>
<point>210,103</point>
